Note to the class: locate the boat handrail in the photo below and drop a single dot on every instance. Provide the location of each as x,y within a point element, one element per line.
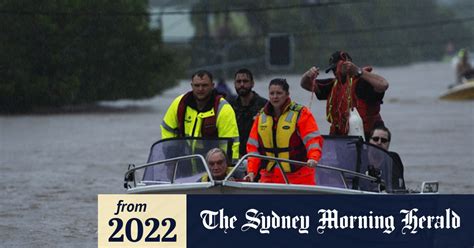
<point>130,174</point>
<point>342,172</point>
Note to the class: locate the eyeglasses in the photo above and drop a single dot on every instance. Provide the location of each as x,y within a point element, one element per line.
<point>376,139</point>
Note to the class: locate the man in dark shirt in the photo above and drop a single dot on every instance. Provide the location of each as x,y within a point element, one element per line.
<point>352,87</point>
<point>381,136</point>
<point>246,105</point>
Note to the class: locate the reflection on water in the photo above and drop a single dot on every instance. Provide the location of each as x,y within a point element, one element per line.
<point>53,166</point>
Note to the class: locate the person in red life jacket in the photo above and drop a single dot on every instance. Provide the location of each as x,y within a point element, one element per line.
<point>284,129</point>
<point>352,86</point>
<point>201,112</point>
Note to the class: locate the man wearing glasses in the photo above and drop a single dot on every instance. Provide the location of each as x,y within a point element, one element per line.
<point>246,105</point>
<point>201,112</point>
<point>380,136</point>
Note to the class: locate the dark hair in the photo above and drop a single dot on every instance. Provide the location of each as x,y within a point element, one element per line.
<point>245,71</point>
<point>383,128</point>
<point>201,74</point>
<point>335,58</point>
<point>280,82</point>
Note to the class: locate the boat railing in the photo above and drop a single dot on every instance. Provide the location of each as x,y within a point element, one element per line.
<point>130,180</point>
<point>278,161</point>
<point>130,174</point>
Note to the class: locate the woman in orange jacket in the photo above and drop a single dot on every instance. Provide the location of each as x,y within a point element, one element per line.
<point>284,129</point>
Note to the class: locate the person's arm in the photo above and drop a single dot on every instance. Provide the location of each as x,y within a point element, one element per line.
<point>307,80</point>
<point>169,125</point>
<point>227,127</point>
<point>321,87</point>
<point>379,83</point>
<point>252,147</point>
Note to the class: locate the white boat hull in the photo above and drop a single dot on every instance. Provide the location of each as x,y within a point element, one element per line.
<point>230,187</point>
<point>460,92</point>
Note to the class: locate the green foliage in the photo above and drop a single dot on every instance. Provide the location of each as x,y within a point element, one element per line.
<point>56,53</point>
<point>389,32</point>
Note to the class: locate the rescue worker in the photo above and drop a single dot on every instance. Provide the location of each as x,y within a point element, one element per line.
<point>246,105</point>
<point>201,113</point>
<point>284,129</point>
<point>352,87</point>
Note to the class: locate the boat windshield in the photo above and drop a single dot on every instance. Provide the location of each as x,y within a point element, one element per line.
<point>345,153</point>
<point>351,153</point>
<point>188,169</point>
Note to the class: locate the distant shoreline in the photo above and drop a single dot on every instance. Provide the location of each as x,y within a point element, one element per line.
<point>92,108</point>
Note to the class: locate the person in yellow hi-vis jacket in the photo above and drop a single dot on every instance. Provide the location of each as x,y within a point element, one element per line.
<point>201,112</point>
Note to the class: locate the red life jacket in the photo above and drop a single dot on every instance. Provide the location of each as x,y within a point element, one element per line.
<point>342,99</point>
<point>208,126</point>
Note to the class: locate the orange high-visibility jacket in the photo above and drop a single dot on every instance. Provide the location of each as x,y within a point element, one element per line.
<point>294,135</point>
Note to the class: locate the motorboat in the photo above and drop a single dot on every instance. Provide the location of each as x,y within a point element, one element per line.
<point>458,92</point>
<point>348,166</point>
